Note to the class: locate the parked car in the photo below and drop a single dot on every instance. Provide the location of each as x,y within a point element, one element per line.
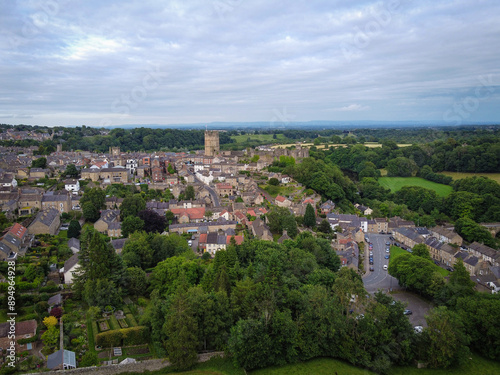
<point>388,243</point>
<point>372,269</point>
<point>407,312</point>
<point>190,243</point>
<point>418,329</point>
<point>385,267</point>
<point>371,261</point>
<point>449,269</point>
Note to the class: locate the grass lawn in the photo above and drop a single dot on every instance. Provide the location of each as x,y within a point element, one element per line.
<point>318,366</point>
<point>396,183</point>
<point>395,251</point>
<point>283,190</point>
<point>63,234</point>
<point>459,175</point>
<point>478,365</point>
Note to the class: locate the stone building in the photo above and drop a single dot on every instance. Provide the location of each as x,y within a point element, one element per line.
<point>211,143</point>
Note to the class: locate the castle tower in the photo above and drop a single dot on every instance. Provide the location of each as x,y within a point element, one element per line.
<point>211,143</point>
<point>114,151</point>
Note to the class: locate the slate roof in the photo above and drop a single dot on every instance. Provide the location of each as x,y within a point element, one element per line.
<point>70,262</point>
<point>74,242</point>
<point>46,217</point>
<point>55,300</point>
<point>14,241</point>
<point>61,357</point>
<point>4,248</point>
<point>54,198</point>
<point>485,250</point>
<point>118,243</point>
<point>411,234</point>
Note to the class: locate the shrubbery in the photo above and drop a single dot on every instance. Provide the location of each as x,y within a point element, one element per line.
<point>123,337</point>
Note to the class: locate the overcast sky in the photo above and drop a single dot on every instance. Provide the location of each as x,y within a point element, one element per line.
<point>95,62</point>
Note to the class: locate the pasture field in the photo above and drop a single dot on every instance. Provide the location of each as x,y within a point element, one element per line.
<point>258,137</point>
<point>396,183</point>
<point>459,175</point>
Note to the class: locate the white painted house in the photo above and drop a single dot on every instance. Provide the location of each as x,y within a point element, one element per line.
<point>72,185</point>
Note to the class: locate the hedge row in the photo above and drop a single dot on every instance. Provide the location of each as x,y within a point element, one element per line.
<point>123,337</point>
<point>131,320</point>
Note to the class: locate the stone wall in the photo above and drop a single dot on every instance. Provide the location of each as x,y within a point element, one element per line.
<point>149,365</point>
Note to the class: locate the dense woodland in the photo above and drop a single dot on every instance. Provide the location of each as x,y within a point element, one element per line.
<point>269,304</point>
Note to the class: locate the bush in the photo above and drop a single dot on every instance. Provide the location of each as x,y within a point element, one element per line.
<point>273,181</point>
<point>123,337</point>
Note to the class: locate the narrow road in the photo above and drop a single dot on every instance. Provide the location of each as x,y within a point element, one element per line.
<point>213,194</point>
<point>379,278</point>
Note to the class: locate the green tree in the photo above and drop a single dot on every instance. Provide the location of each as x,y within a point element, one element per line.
<point>50,338</point>
<point>92,202</point>
<point>89,359</point>
<point>181,329</point>
<point>401,167</point>
<point>131,206</point>
<point>39,163</point>
<point>90,212</point>
<point>310,216</point>
<point>97,259</point>
<point>290,225</point>
<point>422,251</point>
<point>273,181</point>
<point>137,282</point>
<point>71,171</point>
<point>471,231</point>
<point>74,229</point>
<point>131,224</point>
<point>102,292</point>
<point>189,193</point>
<point>137,251</point>
<point>447,341</point>
<point>325,227</point>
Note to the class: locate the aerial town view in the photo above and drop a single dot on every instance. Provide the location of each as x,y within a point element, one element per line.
<point>231,187</point>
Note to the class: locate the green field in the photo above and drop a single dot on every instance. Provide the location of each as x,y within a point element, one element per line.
<point>396,183</point>
<point>329,366</point>
<point>395,251</point>
<point>318,366</point>
<point>459,175</point>
<point>258,137</point>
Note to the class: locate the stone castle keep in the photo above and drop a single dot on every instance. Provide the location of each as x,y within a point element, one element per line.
<point>211,143</point>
